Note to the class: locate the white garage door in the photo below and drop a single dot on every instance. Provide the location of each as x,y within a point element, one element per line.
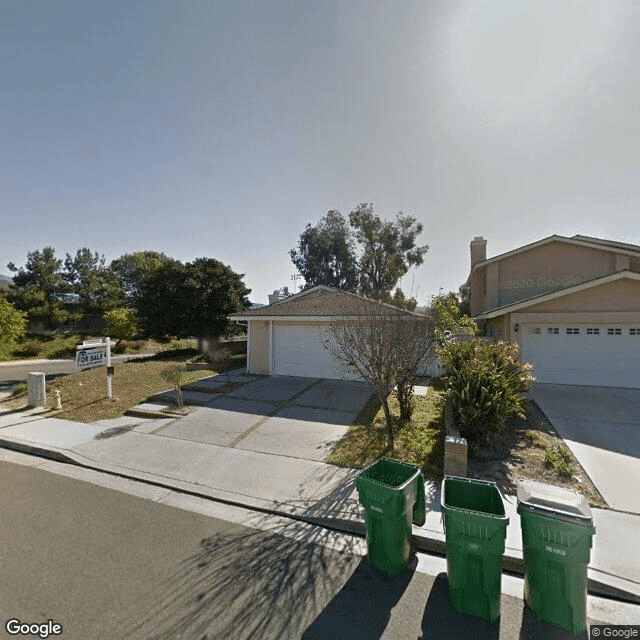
<point>298,351</point>
<point>602,355</point>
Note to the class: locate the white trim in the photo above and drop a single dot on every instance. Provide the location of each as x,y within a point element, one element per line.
<point>270,348</point>
<point>555,238</point>
<point>631,275</point>
<point>248,364</point>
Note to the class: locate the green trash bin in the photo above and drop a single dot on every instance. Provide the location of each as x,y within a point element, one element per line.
<point>392,494</point>
<point>475,527</point>
<point>557,532</point>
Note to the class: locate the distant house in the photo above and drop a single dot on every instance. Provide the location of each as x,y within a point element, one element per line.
<point>286,337</point>
<point>572,304</point>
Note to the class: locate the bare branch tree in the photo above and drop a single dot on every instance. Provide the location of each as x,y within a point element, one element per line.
<point>415,351</point>
<point>383,346</point>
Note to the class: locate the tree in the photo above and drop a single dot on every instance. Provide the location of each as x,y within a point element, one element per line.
<point>173,375</point>
<point>213,291</point>
<point>191,300</point>
<point>95,286</point>
<point>133,269</point>
<point>402,302</point>
<point>388,249</point>
<point>448,318</point>
<point>39,287</point>
<point>325,254</point>
<point>366,255</point>
<point>464,300</point>
<point>13,323</point>
<point>161,301</point>
<point>384,349</point>
<point>123,323</point>
<point>415,351</point>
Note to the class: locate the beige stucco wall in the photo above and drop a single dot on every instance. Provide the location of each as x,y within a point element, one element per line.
<point>542,269</point>
<point>620,295</point>
<point>258,347</point>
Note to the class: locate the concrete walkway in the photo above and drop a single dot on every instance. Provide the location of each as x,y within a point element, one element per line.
<point>601,426</point>
<point>305,489</point>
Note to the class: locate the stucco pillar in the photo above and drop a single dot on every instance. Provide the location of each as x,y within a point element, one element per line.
<point>36,389</point>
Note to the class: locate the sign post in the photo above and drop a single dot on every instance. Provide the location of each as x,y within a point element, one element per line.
<point>109,371</point>
<point>95,353</point>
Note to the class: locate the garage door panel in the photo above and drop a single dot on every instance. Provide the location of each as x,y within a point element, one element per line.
<point>567,358</point>
<point>299,351</point>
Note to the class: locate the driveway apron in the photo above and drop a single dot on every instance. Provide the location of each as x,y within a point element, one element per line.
<point>280,415</point>
<point>601,426</point>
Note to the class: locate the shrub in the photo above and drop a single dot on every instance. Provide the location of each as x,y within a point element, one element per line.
<point>31,348</point>
<point>484,385</point>
<point>173,374</point>
<point>559,458</point>
<point>123,323</point>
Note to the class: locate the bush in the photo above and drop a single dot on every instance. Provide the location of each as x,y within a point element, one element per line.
<point>31,348</point>
<point>484,385</point>
<point>173,374</point>
<point>559,458</point>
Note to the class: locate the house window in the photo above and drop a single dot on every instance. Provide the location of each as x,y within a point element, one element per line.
<point>615,331</point>
<point>535,330</point>
<point>634,332</point>
<point>553,331</point>
<point>572,331</point>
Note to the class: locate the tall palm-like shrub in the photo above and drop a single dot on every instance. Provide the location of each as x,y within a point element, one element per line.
<point>485,382</point>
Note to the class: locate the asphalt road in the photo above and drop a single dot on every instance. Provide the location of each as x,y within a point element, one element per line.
<point>105,564</point>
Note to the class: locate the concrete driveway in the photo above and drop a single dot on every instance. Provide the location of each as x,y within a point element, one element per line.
<point>601,425</point>
<point>280,415</point>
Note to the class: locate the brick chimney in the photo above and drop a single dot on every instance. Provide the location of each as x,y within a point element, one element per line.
<point>478,250</point>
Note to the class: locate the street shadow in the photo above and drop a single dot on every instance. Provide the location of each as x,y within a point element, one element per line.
<point>362,608</point>
<point>441,620</point>
<point>244,583</point>
<point>532,629</point>
<point>340,503</point>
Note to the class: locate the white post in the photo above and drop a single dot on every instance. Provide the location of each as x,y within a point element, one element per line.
<point>109,370</point>
<point>36,389</point>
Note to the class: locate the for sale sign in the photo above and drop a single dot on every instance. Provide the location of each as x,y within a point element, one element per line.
<point>88,358</point>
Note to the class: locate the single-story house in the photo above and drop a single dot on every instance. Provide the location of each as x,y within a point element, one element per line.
<point>572,304</point>
<point>286,338</point>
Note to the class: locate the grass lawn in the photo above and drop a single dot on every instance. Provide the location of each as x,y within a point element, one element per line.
<point>528,449</point>
<point>84,395</point>
<point>419,440</point>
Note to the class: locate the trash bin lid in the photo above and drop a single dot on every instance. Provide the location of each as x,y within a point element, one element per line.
<point>555,502</point>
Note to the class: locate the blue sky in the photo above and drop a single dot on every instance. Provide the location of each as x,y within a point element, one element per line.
<point>221,128</point>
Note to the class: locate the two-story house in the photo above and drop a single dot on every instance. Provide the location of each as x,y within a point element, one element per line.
<point>571,304</point>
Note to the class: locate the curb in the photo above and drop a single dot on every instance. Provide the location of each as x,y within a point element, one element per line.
<point>599,583</point>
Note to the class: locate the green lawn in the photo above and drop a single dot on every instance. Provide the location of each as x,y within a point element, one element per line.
<point>419,440</point>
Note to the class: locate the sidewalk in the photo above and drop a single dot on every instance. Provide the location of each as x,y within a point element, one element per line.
<point>308,490</point>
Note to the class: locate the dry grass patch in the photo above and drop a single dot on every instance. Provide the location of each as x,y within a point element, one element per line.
<point>84,394</point>
<point>531,449</point>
